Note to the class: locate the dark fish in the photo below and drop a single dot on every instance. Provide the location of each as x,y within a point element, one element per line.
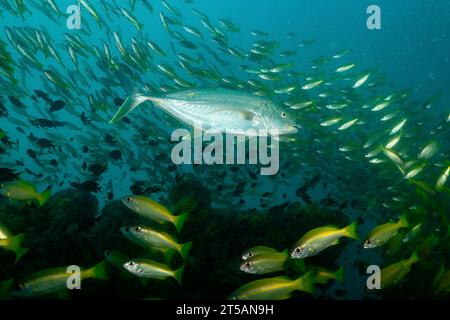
<point>45,123</point>
<point>109,139</point>
<point>6,141</point>
<point>301,192</point>
<point>314,181</point>
<point>85,149</point>
<point>152,189</point>
<point>279,208</point>
<point>87,186</point>
<point>43,96</point>
<point>97,168</point>
<point>53,162</point>
<point>329,202</point>
<point>16,102</point>
<point>3,111</point>
<point>57,105</point>
<point>118,101</point>
<point>239,189</point>
<point>137,188</point>
<point>84,119</point>
<point>306,198</point>
<point>31,137</point>
<point>302,189</point>
<point>31,154</point>
<point>253,176</point>
<point>115,155</point>
<point>189,45</point>
<point>46,144</point>
<point>126,120</point>
<point>7,174</point>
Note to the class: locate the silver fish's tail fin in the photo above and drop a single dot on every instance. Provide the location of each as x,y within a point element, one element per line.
<point>131,103</point>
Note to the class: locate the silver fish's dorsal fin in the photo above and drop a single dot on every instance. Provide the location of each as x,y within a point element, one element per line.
<point>131,103</point>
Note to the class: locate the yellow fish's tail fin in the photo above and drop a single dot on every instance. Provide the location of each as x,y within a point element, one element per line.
<point>168,255</point>
<point>99,271</point>
<point>339,275</point>
<point>414,257</point>
<point>185,248</point>
<point>305,283</point>
<point>43,197</point>
<point>439,276</point>
<point>351,232</point>
<point>15,245</point>
<point>178,275</point>
<point>5,287</point>
<point>403,222</point>
<point>179,221</point>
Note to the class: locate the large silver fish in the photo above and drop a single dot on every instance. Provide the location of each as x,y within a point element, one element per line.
<point>219,110</point>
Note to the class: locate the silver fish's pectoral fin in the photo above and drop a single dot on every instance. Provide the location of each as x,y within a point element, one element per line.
<point>243,114</point>
<point>247,115</point>
<point>131,103</point>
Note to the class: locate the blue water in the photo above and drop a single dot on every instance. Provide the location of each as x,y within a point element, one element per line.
<point>409,52</point>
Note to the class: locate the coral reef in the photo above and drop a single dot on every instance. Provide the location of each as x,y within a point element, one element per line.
<point>67,230</point>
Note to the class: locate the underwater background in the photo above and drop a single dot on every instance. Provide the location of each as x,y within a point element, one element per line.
<point>371,151</point>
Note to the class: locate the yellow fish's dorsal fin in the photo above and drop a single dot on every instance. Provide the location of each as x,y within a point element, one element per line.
<point>26,184</point>
<point>320,230</point>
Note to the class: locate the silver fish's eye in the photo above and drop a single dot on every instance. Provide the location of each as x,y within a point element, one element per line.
<point>250,254</point>
<point>297,250</point>
<point>128,199</point>
<point>131,263</point>
<point>138,229</point>
<point>283,114</point>
<point>248,264</point>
